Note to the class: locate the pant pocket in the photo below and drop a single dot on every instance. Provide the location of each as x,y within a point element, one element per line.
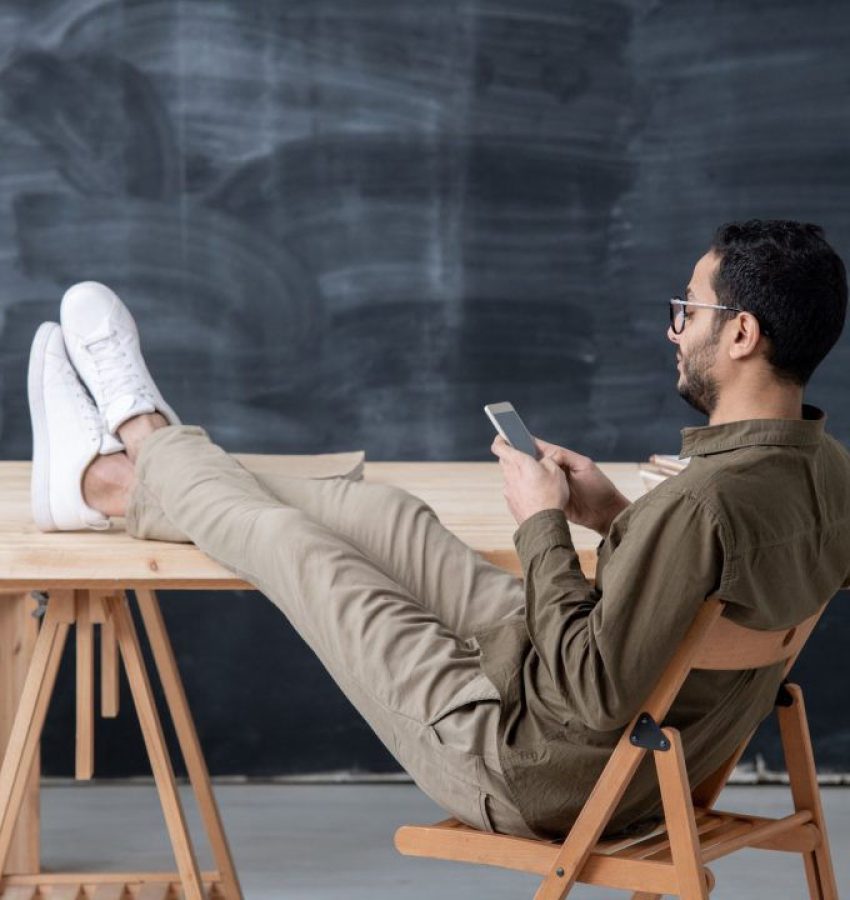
<point>478,688</point>
<point>468,722</point>
<point>484,801</point>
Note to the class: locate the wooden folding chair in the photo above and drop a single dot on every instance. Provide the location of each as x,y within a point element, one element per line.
<point>671,859</point>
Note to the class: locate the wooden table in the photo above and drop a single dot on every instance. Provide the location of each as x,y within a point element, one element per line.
<point>87,572</point>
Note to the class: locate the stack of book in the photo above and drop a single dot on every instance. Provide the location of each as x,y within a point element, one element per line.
<point>659,467</point>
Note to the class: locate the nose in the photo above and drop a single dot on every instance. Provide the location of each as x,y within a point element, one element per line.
<point>671,335</point>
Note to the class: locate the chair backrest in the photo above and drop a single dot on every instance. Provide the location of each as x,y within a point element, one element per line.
<point>727,645</point>
<point>714,642</point>
<point>711,642</point>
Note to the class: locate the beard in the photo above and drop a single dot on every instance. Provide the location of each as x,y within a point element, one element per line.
<point>696,385</point>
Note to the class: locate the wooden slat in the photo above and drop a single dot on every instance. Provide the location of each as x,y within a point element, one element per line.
<point>110,689</point>
<point>756,833</point>
<point>66,892</point>
<point>655,844</point>
<point>84,756</point>
<point>458,842</point>
<point>625,875</point>
<point>623,846</point>
<point>157,752</point>
<point>108,892</point>
<point>626,845</point>
<point>155,892</point>
<point>93,879</point>
<point>18,634</point>
<point>29,718</point>
<point>18,892</point>
<point>187,735</point>
<point>803,840</point>
<point>724,826</point>
<point>731,828</point>
<point>731,646</point>
<point>469,845</point>
<point>665,855</point>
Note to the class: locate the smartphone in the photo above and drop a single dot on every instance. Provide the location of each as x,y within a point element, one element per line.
<point>511,427</point>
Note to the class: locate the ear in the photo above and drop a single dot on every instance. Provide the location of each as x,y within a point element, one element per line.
<point>747,333</point>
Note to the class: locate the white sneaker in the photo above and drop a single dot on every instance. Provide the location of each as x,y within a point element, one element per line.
<point>67,434</point>
<point>103,345</point>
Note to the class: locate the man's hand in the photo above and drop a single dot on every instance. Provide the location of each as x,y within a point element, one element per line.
<point>530,485</point>
<point>593,500</point>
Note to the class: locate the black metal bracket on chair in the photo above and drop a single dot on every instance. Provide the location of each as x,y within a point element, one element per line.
<point>783,695</point>
<point>648,734</point>
<point>41,598</point>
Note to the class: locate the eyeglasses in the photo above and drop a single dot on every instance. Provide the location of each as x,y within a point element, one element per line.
<point>677,313</point>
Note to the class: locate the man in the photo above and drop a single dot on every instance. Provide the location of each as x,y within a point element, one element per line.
<point>503,697</point>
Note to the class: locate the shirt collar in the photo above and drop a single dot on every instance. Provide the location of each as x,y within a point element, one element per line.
<point>700,440</point>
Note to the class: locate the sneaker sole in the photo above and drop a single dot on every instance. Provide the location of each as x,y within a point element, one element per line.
<point>40,481</point>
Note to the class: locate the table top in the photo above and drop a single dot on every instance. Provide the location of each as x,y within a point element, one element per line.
<point>467,497</point>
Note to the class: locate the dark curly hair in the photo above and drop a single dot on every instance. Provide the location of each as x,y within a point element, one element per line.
<point>792,281</point>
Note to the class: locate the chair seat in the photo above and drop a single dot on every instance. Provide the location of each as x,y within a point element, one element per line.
<point>629,863</point>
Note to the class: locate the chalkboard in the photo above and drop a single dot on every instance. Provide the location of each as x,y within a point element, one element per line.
<point>349,225</point>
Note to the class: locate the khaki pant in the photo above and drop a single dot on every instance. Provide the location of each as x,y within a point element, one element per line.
<point>386,597</point>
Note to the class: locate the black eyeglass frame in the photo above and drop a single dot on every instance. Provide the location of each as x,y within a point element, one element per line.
<point>678,301</point>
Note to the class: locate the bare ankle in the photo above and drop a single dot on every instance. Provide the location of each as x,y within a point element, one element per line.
<point>107,484</point>
<point>135,430</point>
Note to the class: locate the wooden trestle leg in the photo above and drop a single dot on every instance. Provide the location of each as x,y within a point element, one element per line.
<point>111,611</point>
<point>18,635</point>
<point>187,735</point>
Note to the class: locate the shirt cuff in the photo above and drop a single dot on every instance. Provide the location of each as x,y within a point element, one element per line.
<point>546,528</point>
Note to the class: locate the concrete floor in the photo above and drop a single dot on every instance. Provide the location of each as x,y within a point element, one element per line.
<point>313,842</point>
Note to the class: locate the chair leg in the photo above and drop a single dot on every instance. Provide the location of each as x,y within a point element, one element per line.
<point>32,709</point>
<point>642,895</point>
<point>131,653</point>
<point>187,735</point>
<point>679,816</point>
<point>802,775</point>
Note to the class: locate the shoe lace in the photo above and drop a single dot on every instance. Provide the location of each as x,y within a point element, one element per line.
<point>85,404</point>
<point>116,373</point>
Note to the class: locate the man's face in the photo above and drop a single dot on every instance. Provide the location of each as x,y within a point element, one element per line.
<point>699,341</point>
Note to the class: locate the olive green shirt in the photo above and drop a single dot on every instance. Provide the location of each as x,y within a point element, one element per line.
<point>760,516</point>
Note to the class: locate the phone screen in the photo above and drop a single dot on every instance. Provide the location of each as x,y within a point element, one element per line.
<point>512,428</point>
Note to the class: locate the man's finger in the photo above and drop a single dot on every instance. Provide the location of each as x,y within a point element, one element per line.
<point>501,447</point>
<point>566,457</point>
<point>550,465</point>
